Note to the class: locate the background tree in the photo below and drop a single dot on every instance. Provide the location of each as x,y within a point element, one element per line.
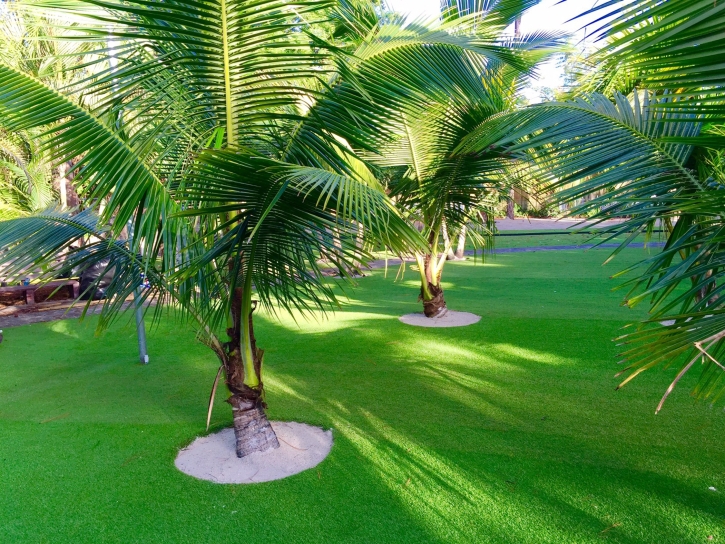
<point>654,158</point>
<point>35,44</point>
<point>454,197</point>
<point>25,176</point>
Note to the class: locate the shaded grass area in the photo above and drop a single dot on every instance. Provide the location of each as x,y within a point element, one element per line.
<point>506,431</point>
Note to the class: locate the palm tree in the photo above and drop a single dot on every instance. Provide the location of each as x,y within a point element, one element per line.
<point>454,196</point>
<point>653,159</point>
<point>221,136</point>
<point>25,176</point>
<point>28,43</point>
<point>675,49</point>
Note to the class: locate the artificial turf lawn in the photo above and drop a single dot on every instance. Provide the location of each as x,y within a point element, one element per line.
<point>505,431</point>
<point>508,239</point>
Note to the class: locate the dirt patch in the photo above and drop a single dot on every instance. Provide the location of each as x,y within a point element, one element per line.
<point>16,316</point>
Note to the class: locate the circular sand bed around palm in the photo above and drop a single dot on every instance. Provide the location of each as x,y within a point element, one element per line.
<point>449,318</point>
<point>214,457</point>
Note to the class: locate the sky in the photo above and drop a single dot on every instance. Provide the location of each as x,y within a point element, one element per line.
<point>548,15</point>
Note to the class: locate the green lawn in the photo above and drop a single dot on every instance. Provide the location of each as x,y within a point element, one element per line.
<point>507,239</point>
<point>506,431</point>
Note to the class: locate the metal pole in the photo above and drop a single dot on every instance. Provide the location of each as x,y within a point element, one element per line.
<point>143,354</point>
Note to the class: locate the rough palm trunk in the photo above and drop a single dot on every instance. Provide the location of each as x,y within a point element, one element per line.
<point>436,304</point>
<point>510,205</point>
<point>252,429</point>
<point>431,292</point>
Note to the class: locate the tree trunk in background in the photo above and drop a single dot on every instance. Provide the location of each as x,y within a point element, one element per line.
<point>252,429</point>
<point>510,205</point>
<point>510,209</point>
<point>68,195</point>
<point>63,185</point>
<point>447,241</point>
<point>437,304</point>
<point>360,245</point>
<point>460,250</point>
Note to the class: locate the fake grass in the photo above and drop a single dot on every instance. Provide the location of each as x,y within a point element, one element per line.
<point>545,238</point>
<point>505,431</point>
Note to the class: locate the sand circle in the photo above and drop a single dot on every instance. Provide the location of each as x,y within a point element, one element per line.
<point>214,458</point>
<point>448,318</point>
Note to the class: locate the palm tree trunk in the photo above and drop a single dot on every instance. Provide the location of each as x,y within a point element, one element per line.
<point>431,292</point>
<point>510,205</point>
<point>71,196</point>
<point>436,304</point>
<point>447,241</point>
<point>359,247</point>
<point>252,429</point>
<point>461,248</point>
<point>63,184</point>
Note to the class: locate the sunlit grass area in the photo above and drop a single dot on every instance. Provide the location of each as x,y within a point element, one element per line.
<point>509,430</point>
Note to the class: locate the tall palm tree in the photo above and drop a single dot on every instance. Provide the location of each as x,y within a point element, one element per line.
<point>655,159</point>
<point>222,136</point>
<point>675,49</point>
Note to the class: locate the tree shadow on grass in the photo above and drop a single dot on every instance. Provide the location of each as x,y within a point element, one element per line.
<point>501,432</point>
<point>450,431</point>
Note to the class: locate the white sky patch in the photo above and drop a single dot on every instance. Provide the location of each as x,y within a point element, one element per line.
<point>416,8</point>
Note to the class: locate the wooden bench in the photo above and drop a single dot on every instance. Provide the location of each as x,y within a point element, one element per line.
<point>29,290</point>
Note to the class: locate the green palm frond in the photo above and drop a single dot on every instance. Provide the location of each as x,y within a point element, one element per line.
<point>57,243</point>
<point>109,167</point>
<point>639,157</point>
<point>675,45</point>
<point>171,85</point>
<point>285,219</point>
<point>596,139</point>
<point>499,12</point>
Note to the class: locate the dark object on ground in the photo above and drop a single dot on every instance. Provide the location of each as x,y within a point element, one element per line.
<point>95,280</point>
<point>29,290</point>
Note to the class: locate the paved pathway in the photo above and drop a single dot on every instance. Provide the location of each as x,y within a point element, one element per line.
<point>525,223</point>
